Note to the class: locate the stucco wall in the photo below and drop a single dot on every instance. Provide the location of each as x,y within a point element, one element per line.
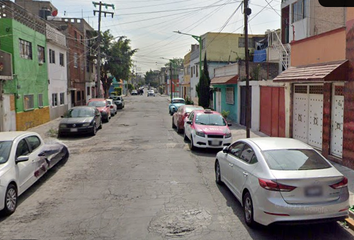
<point>233,116</point>
<point>26,120</point>
<point>321,48</point>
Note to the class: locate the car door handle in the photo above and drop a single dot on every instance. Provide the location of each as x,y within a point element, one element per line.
<point>231,165</point>
<point>245,174</point>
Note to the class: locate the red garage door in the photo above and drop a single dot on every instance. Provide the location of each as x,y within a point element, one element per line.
<point>272,105</point>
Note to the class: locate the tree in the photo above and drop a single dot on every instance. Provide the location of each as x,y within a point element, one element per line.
<point>203,87</point>
<point>151,78</point>
<point>116,59</point>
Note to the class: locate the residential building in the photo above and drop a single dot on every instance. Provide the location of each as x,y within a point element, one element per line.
<point>186,87</point>
<point>319,79</point>
<point>56,56</point>
<point>22,34</point>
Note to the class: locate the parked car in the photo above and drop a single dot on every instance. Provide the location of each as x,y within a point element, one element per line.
<point>134,92</point>
<point>181,116</point>
<point>102,105</point>
<point>175,104</point>
<point>24,158</point>
<point>119,101</point>
<point>80,120</point>
<point>207,129</point>
<point>282,180</point>
<point>112,106</point>
<point>151,93</point>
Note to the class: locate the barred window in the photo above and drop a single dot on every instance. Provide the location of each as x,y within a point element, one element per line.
<point>230,96</point>
<point>41,55</point>
<point>61,59</point>
<point>51,56</point>
<point>54,99</point>
<point>75,60</point>
<point>28,102</point>
<point>25,49</point>
<point>62,98</point>
<point>40,100</point>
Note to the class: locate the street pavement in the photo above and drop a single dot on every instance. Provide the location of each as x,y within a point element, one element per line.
<point>48,132</point>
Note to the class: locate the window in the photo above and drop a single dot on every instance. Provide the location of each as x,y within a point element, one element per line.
<point>248,155</point>
<point>75,35</point>
<point>54,99</point>
<point>22,148</point>
<point>51,56</point>
<point>34,142</point>
<point>40,100</point>
<point>230,96</point>
<point>25,49</point>
<point>75,60</point>
<point>236,148</point>
<point>192,71</point>
<point>62,98</point>
<point>298,10</point>
<point>88,91</point>
<point>61,59</point>
<point>79,96</point>
<point>28,102</point>
<point>41,55</point>
<point>196,70</point>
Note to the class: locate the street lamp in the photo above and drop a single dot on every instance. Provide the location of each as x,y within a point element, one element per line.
<point>199,40</point>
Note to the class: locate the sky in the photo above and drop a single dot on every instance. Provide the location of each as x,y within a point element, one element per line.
<point>150,24</point>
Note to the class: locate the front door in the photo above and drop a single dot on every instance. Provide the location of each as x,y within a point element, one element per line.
<point>25,170</point>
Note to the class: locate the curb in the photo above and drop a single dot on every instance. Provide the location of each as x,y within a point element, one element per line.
<point>350,222</point>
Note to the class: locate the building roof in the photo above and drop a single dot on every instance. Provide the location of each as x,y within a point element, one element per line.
<point>224,80</point>
<point>330,71</point>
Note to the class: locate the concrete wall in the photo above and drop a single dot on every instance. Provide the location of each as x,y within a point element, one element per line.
<point>319,48</point>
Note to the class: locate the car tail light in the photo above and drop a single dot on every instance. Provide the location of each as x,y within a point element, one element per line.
<point>340,184</point>
<point>111,106</point>
<point>274,186</point>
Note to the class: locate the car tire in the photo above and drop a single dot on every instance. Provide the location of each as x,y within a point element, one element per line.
<point>94,130</point>
<point>178,129</point>
<point>248,209</point>
<point>191,144</point>
<point>173,124</point>
<point>10,200</point>
<point>185,138</point>
<point>100,127</point>
<point>218,173</point>
<point>107,119</point>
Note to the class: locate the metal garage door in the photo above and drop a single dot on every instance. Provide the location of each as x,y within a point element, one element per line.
<point>337,121</point>
<point>308,114</point>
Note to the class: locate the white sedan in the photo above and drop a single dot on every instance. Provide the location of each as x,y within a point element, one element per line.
<point>24,158</point>
<point>282,180</point>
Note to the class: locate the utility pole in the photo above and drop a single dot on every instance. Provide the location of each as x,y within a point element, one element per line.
<point>247,11</point>
<point>100,4</point>
<point>171,78</point>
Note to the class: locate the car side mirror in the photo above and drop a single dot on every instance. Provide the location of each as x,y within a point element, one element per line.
<point>229,124</point>
<point>22,159</point>
<point>189,122</point>
<point>225,150</point>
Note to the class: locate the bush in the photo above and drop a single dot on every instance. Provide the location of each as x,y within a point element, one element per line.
<point>225,114</point>
<point>118,91</point>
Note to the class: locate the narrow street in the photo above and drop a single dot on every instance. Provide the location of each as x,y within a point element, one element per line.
<point>137,179</point>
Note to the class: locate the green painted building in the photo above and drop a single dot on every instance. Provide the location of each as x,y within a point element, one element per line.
<point>23,35</point>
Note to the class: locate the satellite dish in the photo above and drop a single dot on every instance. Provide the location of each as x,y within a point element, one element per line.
<point>55,13</point>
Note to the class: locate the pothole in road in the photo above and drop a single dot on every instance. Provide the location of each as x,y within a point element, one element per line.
<point>179,223</point>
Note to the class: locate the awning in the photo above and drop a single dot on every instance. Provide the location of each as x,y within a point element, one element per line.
<point>330,71</point>
<point>224,80</point>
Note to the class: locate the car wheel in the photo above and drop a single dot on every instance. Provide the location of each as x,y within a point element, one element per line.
<point>94,130</point>
<point>10,200</point>
<point>185,136</point>
<point>191,144</point>
<point>178,129</point>
<point>217,173</point>
<point>100,127</point>
<point>248,209</point>
<point>173,124</point>
<point>107,120</point>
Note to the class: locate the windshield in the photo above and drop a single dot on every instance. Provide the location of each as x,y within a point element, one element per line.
<point>295,159</point>
<point>80,112</point>
<point>5,148</point>
<point>177,101</point>
<point>210,119</point>
<point>97,103</point>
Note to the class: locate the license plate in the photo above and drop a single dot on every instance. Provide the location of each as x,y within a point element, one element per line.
<point>73,129</point>
<point>215,142</point>
<point>315,191</point>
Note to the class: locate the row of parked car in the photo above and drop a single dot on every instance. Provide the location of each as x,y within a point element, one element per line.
<point>88,119</point>
<point>276,180</point>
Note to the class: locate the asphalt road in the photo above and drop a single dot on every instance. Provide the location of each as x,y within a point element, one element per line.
<point>137,179</point>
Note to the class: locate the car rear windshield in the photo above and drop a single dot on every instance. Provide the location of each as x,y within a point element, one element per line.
<point>80,112</point>
<point>210,119</point>
<point>97,103</point>
<point>178,101</point>
<point>295,159</point>
<point>5,148</point>
<point>189,109</point>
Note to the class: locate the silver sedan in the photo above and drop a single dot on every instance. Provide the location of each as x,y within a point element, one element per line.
<point>282,180</point>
